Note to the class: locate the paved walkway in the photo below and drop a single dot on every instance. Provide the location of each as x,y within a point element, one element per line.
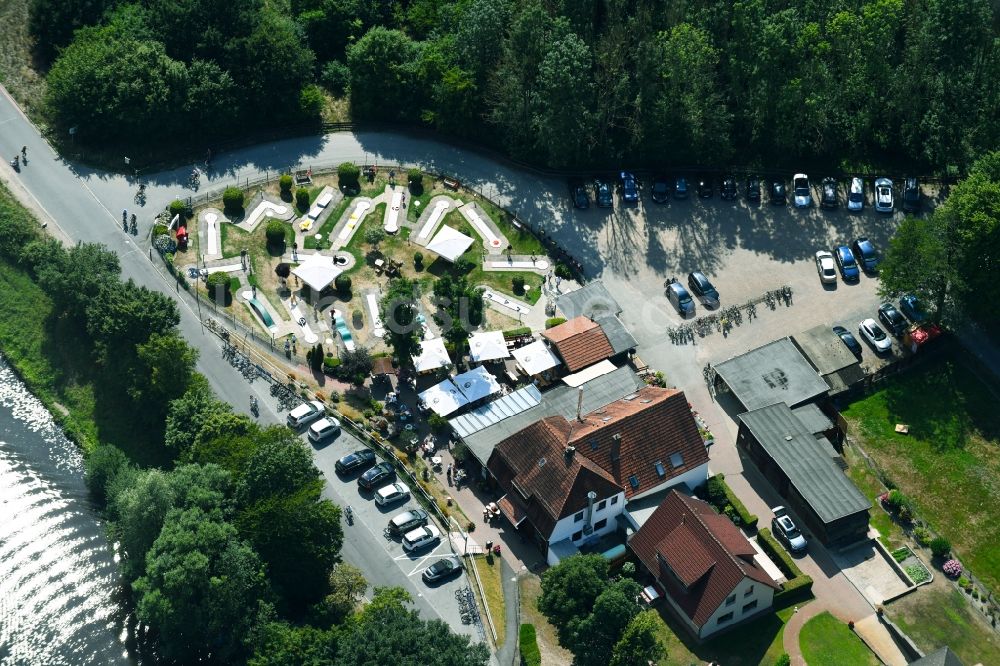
<point>512,604</point>
<point>868,629</point>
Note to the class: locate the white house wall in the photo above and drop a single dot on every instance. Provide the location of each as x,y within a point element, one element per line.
<point>691,478</point>
<point>763,594</point>
<point>566,527</point>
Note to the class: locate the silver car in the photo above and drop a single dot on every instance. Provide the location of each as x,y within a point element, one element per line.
<point>800,190</point>
<point>856,196</point>
<point>826,268</point>
<point>784,529</point>
<point>876,337</point>
<point>883,195</point>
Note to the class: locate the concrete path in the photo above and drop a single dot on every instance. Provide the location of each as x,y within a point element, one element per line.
<point>512,604</point>
<point>867,628</point>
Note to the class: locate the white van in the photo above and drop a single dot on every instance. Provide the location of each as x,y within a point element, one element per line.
<point>305,414</point>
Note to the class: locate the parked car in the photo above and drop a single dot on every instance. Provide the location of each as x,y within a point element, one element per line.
<point>305,414</point>
<point>630,187</point>
<point>680,298</point>
<point>421,537</point>
<point>911,306</point>
<point>864,252</point>
<point>849,340</point>
<point>874,335</point>
<point>883,195</point>
<point>352,462</point>
<point>777,192</point>
<point>602,193</point>
<point>681,188</point>
<point>377,475</point>
<point>828,194</point>
<point>846,263</point>
<point>856,195</point>
<point>705,187</point>
<point>579,195</point>
<point>407,521</point>
<point>825,267</point>
<point>784,529</point>
<point>660,190</point>
<point>800,189</point>
<point>911,195</point>
<point>324,428</point>
<point>442,569</point>
<point>703,289</point>
<point>753,189</point>
<point>728,188</point>
<point>892,318</point>
<point>392,493</point>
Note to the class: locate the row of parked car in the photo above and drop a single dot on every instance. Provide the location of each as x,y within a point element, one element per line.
<point>850,261</point>
<point>897,320</point>
<point>677,187</point>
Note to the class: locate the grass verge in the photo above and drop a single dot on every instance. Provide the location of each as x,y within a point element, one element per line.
<point>490,574</point>
<point>17,67</point>
<point>759,642</point>
<point>530,587</point>
<point>826,641</point>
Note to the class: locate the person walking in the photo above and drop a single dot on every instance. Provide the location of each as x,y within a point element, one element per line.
<point>24,153</point>
<point>448,474</point>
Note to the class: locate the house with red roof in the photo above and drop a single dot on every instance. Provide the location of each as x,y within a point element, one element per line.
<point>567,482</point>
<point>704,565</point>
<point>579,342</point>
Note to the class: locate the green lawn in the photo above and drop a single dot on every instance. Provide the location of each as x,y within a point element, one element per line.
<point>759,642</point>
<point>327,228</point>
<point>866,481</point>
<point>936,615</point>
<point>490,575</point>
<point>948,463</point>
<point>826,641</point>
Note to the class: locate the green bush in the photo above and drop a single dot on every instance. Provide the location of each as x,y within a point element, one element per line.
<point>415,177</point>
<point>437,422</point>
<point>418,258</point>
<point>563,271</point>
<point>349,175</point>
<point>311,101</point>
<point>160,230</point>
<point>218,285</point>
<point>177,207</point>
<point>779,555</point>
<point>336,77</point>
<point>940,547</point>
<point>518,283</point>
<point>896,500</point>
<point>527,642</point>
<point>342,283</point>
<point>783,660</point>
<point>794,589</point>
<point>285,183</point>
<point>554,321</point>
<point>302,198</point>
<point>922,535</point>
<point>232,200</point>
<point>517,332</point>
<point>275,233</point>
<point>721,496</point>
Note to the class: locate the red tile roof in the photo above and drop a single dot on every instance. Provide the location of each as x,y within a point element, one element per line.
<point>580,342</point>
<point>698,556</point>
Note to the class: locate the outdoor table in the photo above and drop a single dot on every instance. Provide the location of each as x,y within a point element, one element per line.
<point>436,462</point>
<point>379,263</point>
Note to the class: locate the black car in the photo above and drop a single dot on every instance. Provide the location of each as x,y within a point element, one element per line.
<point>352,462</point>
<point>378,475</point>
<point>849,340</point>
<point>892,318</point>
<point>911,195</point>
<point>660,190</point>
<point>728,188</point>
<point>603,193</point>
<point>579,193</point>
<point>705,187</point>
<point>828,193</point>
<point>777,192</point>
<point>753,189</point>
<point>680,187</point>
<point>864,252</point>
<point>703,289</point>
<point>443,568</point>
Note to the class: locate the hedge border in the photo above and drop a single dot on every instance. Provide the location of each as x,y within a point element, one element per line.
<point>798,586</point>
<point>749,520</point>
<point>528,644</point>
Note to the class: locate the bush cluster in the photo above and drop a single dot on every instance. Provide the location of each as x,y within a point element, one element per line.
<point>232,200</point>
<point>349,175</point>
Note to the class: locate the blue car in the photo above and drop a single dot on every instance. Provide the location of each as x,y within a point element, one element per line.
<point>630,188</point>
<point>846,263</point>
<point>864,252</point>
<point>911,306</point>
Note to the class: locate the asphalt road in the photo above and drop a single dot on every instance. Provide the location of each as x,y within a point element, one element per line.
<point>86,207</point>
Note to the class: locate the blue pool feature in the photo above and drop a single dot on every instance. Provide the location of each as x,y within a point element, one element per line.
<point>341,325</point>
<point>261,312</point>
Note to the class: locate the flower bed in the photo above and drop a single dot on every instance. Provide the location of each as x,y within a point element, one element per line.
<point>917,573</point>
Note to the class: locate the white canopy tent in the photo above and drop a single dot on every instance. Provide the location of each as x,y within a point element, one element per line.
<point>433,355</point>
<point>477,384</point>
<point>535,358</point>
<point>443,398</point>
<point>318,271</point>
<point>593,372</point>
<point>450,243</point>
<point>488,346</point>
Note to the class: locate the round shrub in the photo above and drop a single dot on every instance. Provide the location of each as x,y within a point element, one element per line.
<point>275,233</point>
<point>418,258</point>
<point>518,284</point>
<point>160,230</point>
<point>349,175</point>
<point>283,270</point>
<point>311,101</point>
<point>342,283</point>
<point>232,199</point>
<point>302,198</point>
<point>563,271</point>
<point>940,547</point>
<point>415,177</point>
<point>177,207</point>
<point>218,285</point>
<point>952,568</point>
<point>285,183</point>
<point>336,77</point>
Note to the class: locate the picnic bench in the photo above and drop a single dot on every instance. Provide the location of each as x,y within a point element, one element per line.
<point>452,183</point>
<point>303,176</point>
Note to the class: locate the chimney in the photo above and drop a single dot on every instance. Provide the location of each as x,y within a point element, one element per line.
<point>569,451</point>
<point>579,404</point>
<point>616,447</point>
<point>591,498</point>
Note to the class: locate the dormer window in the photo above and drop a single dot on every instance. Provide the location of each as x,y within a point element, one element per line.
<point>660,470</point>
<point>676,459</point>
<point>634,482</point>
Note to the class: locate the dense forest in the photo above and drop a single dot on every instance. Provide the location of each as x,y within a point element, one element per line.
<point>848,83</point>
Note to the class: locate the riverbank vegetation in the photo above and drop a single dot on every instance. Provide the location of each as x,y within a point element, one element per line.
<point>229,554</point>
<point>561,83</point>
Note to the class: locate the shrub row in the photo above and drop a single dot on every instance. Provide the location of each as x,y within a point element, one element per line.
<point>517,332</point>
<point>554,321</point>
<point>794,590</point>
<point>773,549</point>
<point>716,485</point>
<point>528,644</point>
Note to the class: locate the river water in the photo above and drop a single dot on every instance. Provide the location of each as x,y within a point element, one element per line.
<point>58,575</point>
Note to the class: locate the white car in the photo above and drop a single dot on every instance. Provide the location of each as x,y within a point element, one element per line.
<point>392,493</point>
<point>305,414</point>
<point>826,268</point>
<point>875,336</point>
<point>800,191</point>
<point>883,195</point>
<point>420,537</point>
<point>323,428</point>
<point>856,196</point>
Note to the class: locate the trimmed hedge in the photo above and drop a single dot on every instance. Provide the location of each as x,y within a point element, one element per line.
<point>285,183</point>
<point>349,175</point>
<point>528,644</point>
<point>554,321</point>
<point>275,233</point>
<point>232,199</point>
<point>747,519</point>
<point>794,590</point>
<point>302,198</point>
<point>773,549</point>
<point>517,332</point>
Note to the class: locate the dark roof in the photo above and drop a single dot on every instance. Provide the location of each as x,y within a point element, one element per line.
<point>824,349</point>
<point>940,657</point>
<point>619,337</point>
<point>561,400</point>
<point>776,372</point>
<point>580,342</point>
<point>806,461</point>
<point>703,549</point>
<point>550,483</point>
<point>813,418</point>
<point>591,300</point>
<point>382,365</point>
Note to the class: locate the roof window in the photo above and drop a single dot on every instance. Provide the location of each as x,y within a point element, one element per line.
<point>660,469</point>
<point>676,459</point>
<point>634,482</point>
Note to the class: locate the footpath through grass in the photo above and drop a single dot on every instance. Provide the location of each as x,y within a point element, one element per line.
<point>948,464</point>
<point>826,641</point>
<point>759,642</point>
